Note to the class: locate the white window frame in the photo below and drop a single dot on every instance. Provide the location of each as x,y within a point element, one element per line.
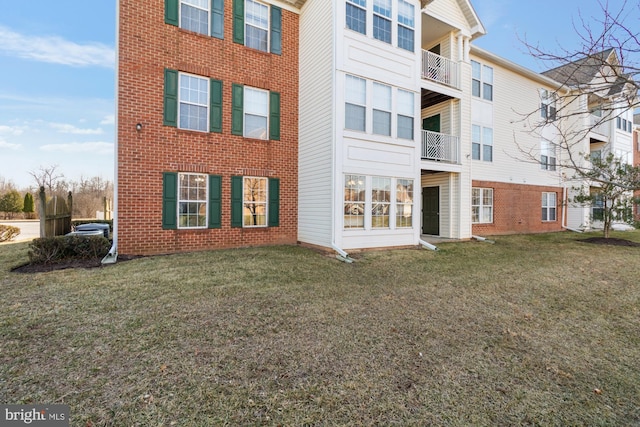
<point>405,23</point>
<point>405,108</point>
<point>247,24</point>
<point>382,106</point>
<point>381,13</point>
<point>484,79</point>
<point>482,206</point>
<point>404,203</point>
<point>355,195</point>
<point>182,101</point>
<point>548,109</point>
<point>355,99</point>
<point>482,142</point>
<point>246,111</point>
<point>548,156</point>
<point>548,207</point>
<point>189,3</point>
<point>356,4</point>
<point>381,202</point>
<point>246,210</point>
<point>189,200</point>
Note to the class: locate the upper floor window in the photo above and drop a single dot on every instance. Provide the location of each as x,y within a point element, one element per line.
<point>357,15</point>
<point>482,81</point>
<point>382,20</point>
<point>257,25</point>
<point>481,143</point>
<point>381,109</point>
<point>547,105</point>
<point>385,16</point>
<point>200,16</point>
<point>255,113</point>
<point>624,124</point>
<point>193,103</point>
<point>406,25</point>
<point>548,156</point>
<point>405,114</point>
<point>355,103</point>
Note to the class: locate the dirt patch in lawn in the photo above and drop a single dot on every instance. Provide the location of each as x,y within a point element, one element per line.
<point>611,241</point>
<point>75,263</point>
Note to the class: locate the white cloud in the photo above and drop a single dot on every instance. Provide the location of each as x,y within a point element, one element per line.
<point>80,147</point>
<point>109,120</point>
<point>56,50</point>
<point>7,145</point>
<point>67,128</point>
<point>12,130</point>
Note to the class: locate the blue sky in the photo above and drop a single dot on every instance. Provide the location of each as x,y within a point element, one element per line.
<point>57,66</point>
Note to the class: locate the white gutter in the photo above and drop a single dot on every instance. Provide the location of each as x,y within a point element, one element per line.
<point>112,256</point>
<point>342,255</point>
<point>427,245</point>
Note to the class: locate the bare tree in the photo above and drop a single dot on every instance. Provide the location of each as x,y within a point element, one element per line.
<point>48,177</point>
<point>597,85</point>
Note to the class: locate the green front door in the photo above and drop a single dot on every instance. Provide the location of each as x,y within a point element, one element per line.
<point>431,211</point>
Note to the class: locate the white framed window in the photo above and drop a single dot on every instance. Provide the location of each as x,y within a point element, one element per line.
<point>354,201</point>
<point>481,143</point>
<point>548,206</point>
<point>380,202</point>
<point>404,203</point>
<point>482,205</point>
<point>381,109</point>
<point>382,20</point>
<point>357,15</point>
<point>193,102</point>
<point>547,105</point>
<point>548,157</point>
<point>194,15</point>
<point>254,201</point>
<point>256,21</point>
<point>481,81</point>
<point>405,104</point>
<point>406,26</point>
<point>192,200</point>
<point>256,113</point>
<point>355,103</point>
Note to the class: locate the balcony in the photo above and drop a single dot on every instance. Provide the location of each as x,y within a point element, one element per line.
<point>440,69</point>
<point>440,147</point>
<point>599,125</point>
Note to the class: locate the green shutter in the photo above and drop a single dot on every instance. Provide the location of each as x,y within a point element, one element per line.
<point>169,200</point>
<point>237,109</point>
<point>217,18</point>
<point>276,30</point>
<point>274,116</point>
<point>171,12</point>
<point>236,201</point>
<point>274,202</point>
<point>215,201</point>
<point>170,97</point>
<point>215,110</point>
<point>238,21</point>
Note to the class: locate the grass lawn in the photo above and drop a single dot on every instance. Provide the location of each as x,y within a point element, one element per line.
<point>532,330</point>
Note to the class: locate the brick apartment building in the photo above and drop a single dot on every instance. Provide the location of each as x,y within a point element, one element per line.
<point>207,125</point>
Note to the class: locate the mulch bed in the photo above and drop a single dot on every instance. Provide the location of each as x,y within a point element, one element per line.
<point>75,263</point>
<point>611,241</point>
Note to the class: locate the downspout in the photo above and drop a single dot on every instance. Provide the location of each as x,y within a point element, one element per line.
<point>564,212</point>
<point>342,255</point>
<point>427,245</point>
<point>483,239</point>
<point>112,255</point>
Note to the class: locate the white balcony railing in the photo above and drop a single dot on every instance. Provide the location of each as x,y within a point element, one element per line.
<point>440,147</point>
<point>440,69</point>
<point>599,125</point>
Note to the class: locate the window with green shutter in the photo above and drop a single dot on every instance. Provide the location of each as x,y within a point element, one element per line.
<point>274,202</point>
<point>274,116</point>
<point>276,30</point>
<point>238,21</point>
<point>171,14</point>
<point>237,109</point>
<point>169,200</point>
<point>257,25</point>
<point>215,201</point>
<point>170,117</point>
<point>215,110</point>
<point>236,201</point>
<point>196,16</point>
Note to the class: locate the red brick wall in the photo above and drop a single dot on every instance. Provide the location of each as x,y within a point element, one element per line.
<point>147,46</point>
<point>517,208</point>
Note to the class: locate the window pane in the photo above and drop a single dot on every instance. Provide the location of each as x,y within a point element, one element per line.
<point>475,134</point>
<point>405,103</point>
<point>354,117</point>
<point>256,25</point>
<point>487,92</point>
<point>405,127</point>
<point>356,18</point>
<point>254,202</point>
<point>487,74</point>
<point>381,97</point>
<point>381,29</point>
<point>476,72</point>
<point>475,88</point>
<point>192,200</point>
<point>355,90</point>
<point>256,101</point>
<point>475,151</point>
<point>404,203</point>
<point>255,126</point>
<point>406,14</point>
<point>487,153</point>
<point>380,198</point>
<point>194,18</point>
<point>382,7</point>
<point>354,197</point>
<point>406,38</point>
<point>381,122</point>
<point>487,136</point>
<point>256,38</point>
